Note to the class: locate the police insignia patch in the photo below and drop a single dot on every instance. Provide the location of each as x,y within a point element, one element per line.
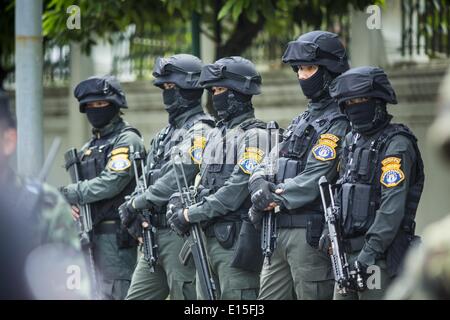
<point>250,159</point>
<point>391,175</point>
<point>196,150</point>
<point>325,149</point>
<point>120,150</point>
<point>119,162</point>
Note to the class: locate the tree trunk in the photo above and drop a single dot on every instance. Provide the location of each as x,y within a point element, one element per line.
<point>242,37</point>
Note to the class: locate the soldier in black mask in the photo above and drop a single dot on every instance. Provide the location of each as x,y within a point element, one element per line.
<point>310,149</point>
<point>107,177</point>
<point>178,77</point>
<point>381,180</point>
<point>233,149</point>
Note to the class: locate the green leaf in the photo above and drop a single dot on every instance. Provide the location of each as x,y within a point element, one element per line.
<point>237,9</point>
<point>252,15</point>
<point>225,9</point>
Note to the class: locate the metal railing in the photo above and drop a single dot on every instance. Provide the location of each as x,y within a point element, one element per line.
<point>425,27</point>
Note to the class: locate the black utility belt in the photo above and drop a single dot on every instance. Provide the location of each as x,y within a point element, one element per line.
<point>295,220</point>
<point>107,227</point>
<point>160,221</point>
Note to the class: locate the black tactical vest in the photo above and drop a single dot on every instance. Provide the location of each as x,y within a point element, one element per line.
<point>298,140</point>
<point>214,175</point>
<point>360,192</point>
<point>93,160</point>
<point>166,140</point>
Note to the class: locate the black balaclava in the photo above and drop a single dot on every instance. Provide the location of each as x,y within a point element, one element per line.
<point>231,103</point>
<point>367,117</point>
<point>100,117</point>
<point>177,101</point>
<point>316,86</point>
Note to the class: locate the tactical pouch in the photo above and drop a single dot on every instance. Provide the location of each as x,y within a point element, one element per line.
<point>397,250</point>
<point>314,228</point>
<point>302,140</point>
<point>124,239</point>
<point>248,254</point>
<point>287,168</point>
<point>356,208</point>
<point>88,169</point>
<point>214,170</point>
<point>225,233</point>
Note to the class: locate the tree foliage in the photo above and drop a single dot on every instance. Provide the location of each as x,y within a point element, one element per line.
<point>231,24</point>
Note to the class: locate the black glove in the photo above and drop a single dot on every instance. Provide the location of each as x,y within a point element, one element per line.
<point>176,200</point>
<point>176,220</point>
<point>135,227</point>
<point>258,183</point>
<point>140,203</point>
<point>127,213</point>
<point>325,242</point>
<point>264,196</point>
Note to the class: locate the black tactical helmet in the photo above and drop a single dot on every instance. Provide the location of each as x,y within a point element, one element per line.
<point>181,69</point>
<point>100,88</point>
<point>236,73</point>
<point>370,82</point>
<point>320,48</point>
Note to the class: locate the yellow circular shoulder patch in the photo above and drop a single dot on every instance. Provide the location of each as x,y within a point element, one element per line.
<point>324,152</point>
<point>325,149</point>
<point>196,150</point>
<point>119,163</point>
<point>392,174</point>
<point>251,158</point>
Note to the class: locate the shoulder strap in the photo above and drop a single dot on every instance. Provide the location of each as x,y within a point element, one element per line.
<point>132,129</point>
<point>252,123</point>
<point>199,117</point>
<point>326,121</point>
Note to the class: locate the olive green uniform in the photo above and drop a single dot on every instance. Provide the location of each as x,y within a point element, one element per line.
<point>298,270</point>
<point>387,220</point>
<point>170,278</point>
<point>115,252</point>
<point>232,151</point>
